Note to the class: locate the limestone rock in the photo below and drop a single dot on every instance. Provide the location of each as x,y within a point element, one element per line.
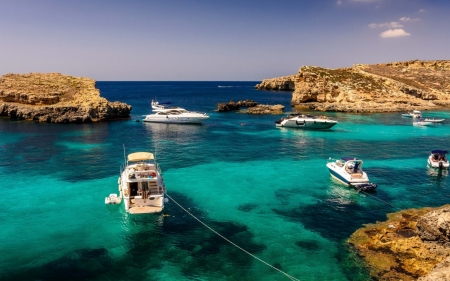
<point>395,249</point>
<point>266,109</point>
<point>231,105</point>
<point>56,98</point>
<point>390,87</point>
<point>435,226</point>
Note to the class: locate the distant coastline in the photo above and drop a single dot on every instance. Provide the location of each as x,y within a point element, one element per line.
<point>56,98</point>
<point>387,87</point>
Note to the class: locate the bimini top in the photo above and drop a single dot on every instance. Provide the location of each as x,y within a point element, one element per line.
<point>439,152</point>
<point>140,156</point>
<point>349,158</point>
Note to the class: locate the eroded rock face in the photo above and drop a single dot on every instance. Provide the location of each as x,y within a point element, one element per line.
<point>387,87</point>
<point>266,109</point>
<point>56,98</point>
<point>435,226</point>
<point>232,105</point>
<point>399,249</point>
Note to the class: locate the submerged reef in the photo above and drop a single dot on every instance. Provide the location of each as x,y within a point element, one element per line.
<point>56,98</point>
<point>412,244</point>
<point>387,87</point>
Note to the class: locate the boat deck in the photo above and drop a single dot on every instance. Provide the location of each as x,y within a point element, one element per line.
<point>144,209</point>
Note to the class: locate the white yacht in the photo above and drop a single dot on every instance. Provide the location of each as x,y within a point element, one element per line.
<point>413,114</point>
<point>176,116</point>
<point>303,121</point>
<point>438,159</point>
<point>141,185</point>
<point>348,170</point>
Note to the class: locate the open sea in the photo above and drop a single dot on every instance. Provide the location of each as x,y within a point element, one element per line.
<point>265,189</point>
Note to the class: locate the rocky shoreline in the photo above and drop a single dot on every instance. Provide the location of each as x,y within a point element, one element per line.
<point>56,98</point>
<point>412,244</point>
<point>389,87</point>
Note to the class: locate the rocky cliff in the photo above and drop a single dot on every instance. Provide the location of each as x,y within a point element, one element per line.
<point>56,98</point>
<point>389,87</point>
<point>411,244</point>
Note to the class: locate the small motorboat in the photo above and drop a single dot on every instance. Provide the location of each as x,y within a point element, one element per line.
<point>422,122</point>
<point>434,120</point>
<point>438,159</point>
<point>141,185</point>
<point>348,170</point>
<point>303,121</point>
<point>413,114</point>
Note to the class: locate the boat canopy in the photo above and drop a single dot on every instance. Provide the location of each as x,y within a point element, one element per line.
<point>140,156</point>
<point>416,112</point>
<point>439,151</point>
<point>349,158</point>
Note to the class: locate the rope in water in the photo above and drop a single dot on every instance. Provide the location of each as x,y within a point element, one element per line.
<point>287,275</point>
<point>381,200</point>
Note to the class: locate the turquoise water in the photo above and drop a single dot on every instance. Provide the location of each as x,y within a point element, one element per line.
<point>265,189</point>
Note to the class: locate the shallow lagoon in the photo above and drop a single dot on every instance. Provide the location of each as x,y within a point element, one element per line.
<point>265,189</point>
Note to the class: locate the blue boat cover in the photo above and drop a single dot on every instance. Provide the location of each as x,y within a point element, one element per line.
<point>439,152</point>
<point>349,158</point>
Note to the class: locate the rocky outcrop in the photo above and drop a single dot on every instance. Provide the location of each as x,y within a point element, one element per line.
<point>56,98</point>
<point>389,87</point>
<point>232,105</point>
<point>410,244</point>
<point>266,109</point>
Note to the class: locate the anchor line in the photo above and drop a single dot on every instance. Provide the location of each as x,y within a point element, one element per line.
<point>381,200</point>
<point>232,243</point>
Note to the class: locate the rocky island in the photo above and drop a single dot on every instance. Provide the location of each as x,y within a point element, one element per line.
<point>412,244</point>
<point>56,98</point>
<point>388,87</point>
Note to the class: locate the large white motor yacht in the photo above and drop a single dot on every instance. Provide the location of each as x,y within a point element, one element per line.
<point>348,170</point>
<point>141,185</point>
<point>176,116</point>
<point>306,122</point>
<point>438,159</point>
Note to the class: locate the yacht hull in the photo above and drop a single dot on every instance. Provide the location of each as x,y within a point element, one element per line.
<point>313,124</point>
<point>176,120</point>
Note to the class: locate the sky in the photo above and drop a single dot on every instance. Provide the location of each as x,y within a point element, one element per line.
<point>212,40</point>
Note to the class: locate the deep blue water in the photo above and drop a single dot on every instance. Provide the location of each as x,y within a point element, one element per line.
<point>265,189</point>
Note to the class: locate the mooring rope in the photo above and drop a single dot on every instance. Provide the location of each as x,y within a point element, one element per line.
<point>381,200</point>
<point>287,275</point>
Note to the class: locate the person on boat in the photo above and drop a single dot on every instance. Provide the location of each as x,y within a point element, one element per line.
<point>165,215</point>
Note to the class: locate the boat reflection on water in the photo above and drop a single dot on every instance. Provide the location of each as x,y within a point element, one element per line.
<point>437,172</point>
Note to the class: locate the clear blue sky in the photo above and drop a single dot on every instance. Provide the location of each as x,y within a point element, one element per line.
<point>201,40</point>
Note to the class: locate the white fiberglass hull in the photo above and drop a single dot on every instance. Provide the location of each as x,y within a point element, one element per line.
<point>307,123</point>
<point>176,120</point>
<point>422,123</point>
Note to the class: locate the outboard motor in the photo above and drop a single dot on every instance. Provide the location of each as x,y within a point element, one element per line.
<point>366,186</point>
<point>441,165</point>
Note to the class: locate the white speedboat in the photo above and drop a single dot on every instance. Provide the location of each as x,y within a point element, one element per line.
<point>413,114</point>
<point>348,170</point>
<point>438,159</point>
<point>141,185</point>
<point>306,122</point>
<point>156,106</point>
<point>434,120</point>
<point>422,122</point>
<point>176,116</point>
